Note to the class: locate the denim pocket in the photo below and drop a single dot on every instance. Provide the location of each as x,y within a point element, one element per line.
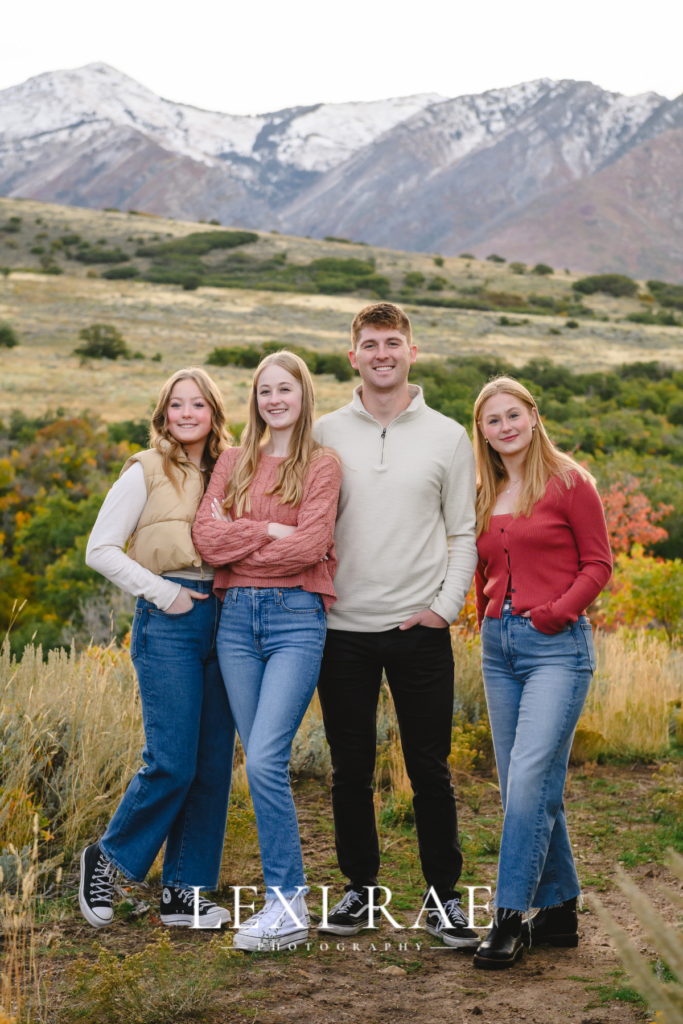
<point>549,635</point>
<point>172,615</point>
<point>301,602</point>
<point>587,631</point>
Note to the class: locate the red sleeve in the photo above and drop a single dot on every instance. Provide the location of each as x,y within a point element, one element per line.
<point>315,527</point>
<point>481,600</point>
<point>217,542</point>
<point>586,517</point>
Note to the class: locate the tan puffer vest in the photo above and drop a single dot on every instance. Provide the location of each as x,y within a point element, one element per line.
<point>162,540</point>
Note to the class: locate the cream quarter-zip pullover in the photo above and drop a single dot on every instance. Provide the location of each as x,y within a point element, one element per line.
<point>406,525</point>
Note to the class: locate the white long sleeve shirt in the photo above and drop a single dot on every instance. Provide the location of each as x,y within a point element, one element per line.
<point>117,520</point>
<point>406,525</point>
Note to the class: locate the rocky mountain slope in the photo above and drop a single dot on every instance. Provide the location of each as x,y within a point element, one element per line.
<point>558,171</point>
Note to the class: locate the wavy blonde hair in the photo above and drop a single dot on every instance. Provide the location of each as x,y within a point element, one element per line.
<point>543,462</point>
<point>218,438</point>
<point>303,450</point>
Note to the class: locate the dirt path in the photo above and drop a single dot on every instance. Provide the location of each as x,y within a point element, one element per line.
<point>395,976</point>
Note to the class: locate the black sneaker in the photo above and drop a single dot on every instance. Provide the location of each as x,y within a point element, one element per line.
<point>458,932</point>
<point>178,909</point>
<point>96,890</point>
<point>350,915</point>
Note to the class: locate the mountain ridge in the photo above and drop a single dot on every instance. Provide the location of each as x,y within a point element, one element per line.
<point>422,172</point>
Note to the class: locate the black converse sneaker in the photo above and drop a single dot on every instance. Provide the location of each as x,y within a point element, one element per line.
<point>178,909</point>
<point>350,915</point>
<point>96,891</point>
<point>458,932</point>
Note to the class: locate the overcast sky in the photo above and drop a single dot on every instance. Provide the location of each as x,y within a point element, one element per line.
<point>262,55</point>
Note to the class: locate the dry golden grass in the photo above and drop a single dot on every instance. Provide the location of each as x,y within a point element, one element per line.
<point>638,680</point>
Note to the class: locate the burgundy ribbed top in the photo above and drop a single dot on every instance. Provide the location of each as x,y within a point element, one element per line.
<point>556,561</point>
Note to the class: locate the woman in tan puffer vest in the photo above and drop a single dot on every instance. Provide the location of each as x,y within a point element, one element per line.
<point>180,795</point>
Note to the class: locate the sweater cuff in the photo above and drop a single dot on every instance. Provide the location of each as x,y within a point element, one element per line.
<point>551,619</point>
<point>165,594</point>
<point>445,608</point>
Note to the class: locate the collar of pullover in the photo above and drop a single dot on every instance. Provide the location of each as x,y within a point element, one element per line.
<point>417,404</point>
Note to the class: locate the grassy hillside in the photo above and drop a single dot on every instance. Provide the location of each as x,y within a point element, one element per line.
<point>181,325</point>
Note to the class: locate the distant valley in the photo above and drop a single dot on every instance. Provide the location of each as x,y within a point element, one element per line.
<point>561,172</point>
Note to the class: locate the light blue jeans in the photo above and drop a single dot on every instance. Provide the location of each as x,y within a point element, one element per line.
<point>536,686</point>
<point>270,644</point>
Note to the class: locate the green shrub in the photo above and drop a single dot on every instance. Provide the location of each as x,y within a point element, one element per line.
<point>662,318</point>
<point>571,323</point>
<point>618,285</point>
<point>37,250</point>
<point>12,226</point>
<point>8,337</point>
<point>191,282</point>
<point>102,341</point>
<point>135,431</point>
<point>414,279</point>
<point>542,269</point>
<point>215,221</point>
<point>495,258</point>
<point>332,362</point>
<point>518,268</point>
<point>91,254</point>
<point>670,295</point>
<point>248,356</point>
<point>200,242</point>
<point>333,238</point>
<point>438,261</point>
<point>437,284</point>
<point>70,239</point>
<point>467,256</point>
<point>378,284</point>
<point>121,273</point>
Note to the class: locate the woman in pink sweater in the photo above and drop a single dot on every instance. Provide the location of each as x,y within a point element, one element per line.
<point>544,557</point>
<point>267,524</point>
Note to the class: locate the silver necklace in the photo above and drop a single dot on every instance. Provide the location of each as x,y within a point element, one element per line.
<point>513,485</point>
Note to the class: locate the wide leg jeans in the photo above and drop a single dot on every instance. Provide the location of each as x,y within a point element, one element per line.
<point>536,686</point>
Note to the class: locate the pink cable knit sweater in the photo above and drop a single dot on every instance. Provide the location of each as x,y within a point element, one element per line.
<point>254,559</point>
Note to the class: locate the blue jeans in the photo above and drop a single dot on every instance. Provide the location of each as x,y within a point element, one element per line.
<point>270,644</point>
<point>536,686</point>
<point>181,794</point>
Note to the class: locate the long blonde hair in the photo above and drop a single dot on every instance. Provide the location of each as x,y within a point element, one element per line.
<point>218,438</point>
<point>303,448</point>
<point>543,462</point>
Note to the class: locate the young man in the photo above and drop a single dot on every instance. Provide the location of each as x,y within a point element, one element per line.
<point>405,539</point>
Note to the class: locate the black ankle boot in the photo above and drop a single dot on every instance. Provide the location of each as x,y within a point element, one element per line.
<point>558,926</point>
<point>502,947</point>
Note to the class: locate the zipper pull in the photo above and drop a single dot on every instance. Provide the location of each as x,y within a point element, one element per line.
<point>384,433</point>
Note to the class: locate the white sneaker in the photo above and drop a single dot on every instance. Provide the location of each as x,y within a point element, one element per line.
<point>273,927</point>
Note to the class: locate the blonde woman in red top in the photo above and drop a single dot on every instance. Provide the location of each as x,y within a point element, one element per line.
<point>267,525</point>
<point>544,557</point>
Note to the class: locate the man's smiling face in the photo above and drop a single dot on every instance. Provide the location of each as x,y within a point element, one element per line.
<point>383,357</point>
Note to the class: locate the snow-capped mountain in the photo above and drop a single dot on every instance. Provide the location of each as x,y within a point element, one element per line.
<point>420,172</point>
<point>65,110</point>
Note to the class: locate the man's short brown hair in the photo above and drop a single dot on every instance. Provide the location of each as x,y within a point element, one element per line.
<point>384,315</point>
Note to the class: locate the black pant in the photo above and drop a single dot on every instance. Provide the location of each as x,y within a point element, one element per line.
<point>419,667</point>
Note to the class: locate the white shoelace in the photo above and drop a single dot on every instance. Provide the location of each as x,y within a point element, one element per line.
<point>344,904</point>
<point>454,914</point>
<point>102,881</point>
<point>265,909</point>
<point>187,896</point>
